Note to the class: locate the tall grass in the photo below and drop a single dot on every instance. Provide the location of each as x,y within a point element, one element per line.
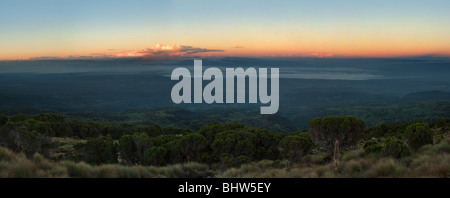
<point>428,161</point>
<point>19,166</point>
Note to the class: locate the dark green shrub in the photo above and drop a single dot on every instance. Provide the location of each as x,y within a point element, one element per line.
<point>212,129</point>
<point>379,131</point>
<point>85,130</point>
<point>234,143</point>
<point>155,156</point>
<point>372,147</point>
<point>325,131</point>
<point>266,144</point>
<point>3,119</point>
<point>98,150</point>
<point>443,123</point>
<point>142,143</point>
<point>174,151</point>
<point>127,149</point>
<point>294,147</point>
<point>228,161</point>
<point>419,134</point>
<point>241,160</point>
<point>206,158</point>
<point>395,148</point>
<point>192,145</point>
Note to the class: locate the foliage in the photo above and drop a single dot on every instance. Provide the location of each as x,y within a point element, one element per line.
<point>212,129</point>
<point>3,119</point>
<point>443,123</point>
<point>155,156</point>
<point>372,146</point>
<point>192,145</point>
<point>234,147</point>
<point>294,147</point>
<point>127,150</point>
<point>396,148</point>
<point>266,144</point>
<point>346,129</point>
<point>100,150</point>
<point>419,134</point>
<point>234,143</point>
<point>227,145</point>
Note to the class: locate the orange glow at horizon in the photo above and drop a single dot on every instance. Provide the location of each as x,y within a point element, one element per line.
<point>78,29</point>
<point>310,48</point>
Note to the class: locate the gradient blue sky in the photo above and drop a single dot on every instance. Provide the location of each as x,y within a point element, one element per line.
<point>34,28</point>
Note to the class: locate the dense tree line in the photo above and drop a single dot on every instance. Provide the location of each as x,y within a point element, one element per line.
<point>229,144</point>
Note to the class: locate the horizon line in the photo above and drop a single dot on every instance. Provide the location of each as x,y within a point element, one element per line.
<point>212,57</point>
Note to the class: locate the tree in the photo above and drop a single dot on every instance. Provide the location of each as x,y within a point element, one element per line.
<point>3,119</point>
<point>116,132</point>
<point>234,143</point>
<point>85,130</point>
<point>49,117</point>
<point>174,151</point>
<point>212,129</point>
<point>127,149</point>
<point>174,131</point>
<point>379,131</point>
<point>325,131</point>
<point>419,134</point>
<point>266,144</point>
<point>30,142</point>
<point>151,130</point>
<point>109,150</point>
<point>155,156</point>
<point>98,150</point>
<point>192,146</point>
<point>443,123</point>
<point>293,147</point>
<point>19,118</point>
<point>142,143</point>
<point>21,137</point>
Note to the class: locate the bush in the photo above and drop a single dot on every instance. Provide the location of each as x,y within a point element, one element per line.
<point>379,131</point>
<point>228,161</point>
<point>241,160</point>
<point>212,129</point>
<point>3,119</point>
<point>155,156</point>
<point>372,147</point>
<point>396,148</point>
<point>294,147</point>
<point>127,149</point>
<point>98,150</point>
<point>234,143</point>
<point>325,131</point>
<point>266,144</point>
<point>443,123</point>
<point>192,145</point>
<point>419,134</point>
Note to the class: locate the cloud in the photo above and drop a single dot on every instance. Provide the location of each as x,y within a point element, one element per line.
<point>46,58</point>
<point>238,46</point>
<point>160,51</point>
<point>157,51</point>
<point>170,50</point>
<point>318,54</point>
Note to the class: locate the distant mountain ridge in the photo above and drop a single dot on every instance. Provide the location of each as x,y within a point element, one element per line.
<point>428,95</point>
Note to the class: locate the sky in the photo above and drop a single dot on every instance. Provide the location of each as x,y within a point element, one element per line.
<point>244,28</point>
